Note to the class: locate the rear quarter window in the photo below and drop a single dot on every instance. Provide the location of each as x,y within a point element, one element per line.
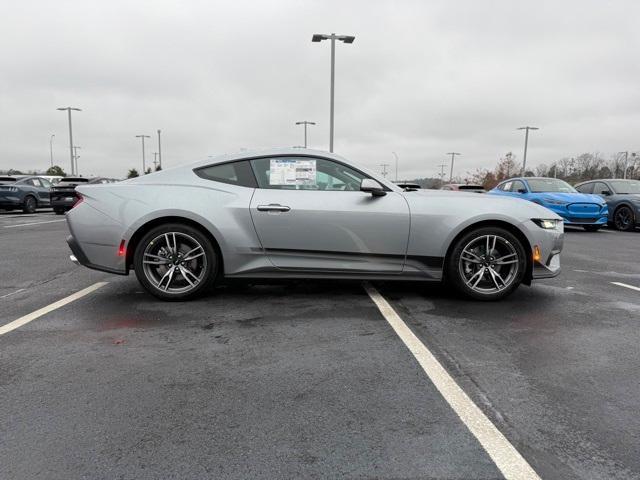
<point>234,173</point>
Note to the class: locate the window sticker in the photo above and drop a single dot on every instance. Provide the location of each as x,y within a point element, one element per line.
<point>287,171</point>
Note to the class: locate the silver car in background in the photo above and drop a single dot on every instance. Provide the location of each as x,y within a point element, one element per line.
<point>292,213</point>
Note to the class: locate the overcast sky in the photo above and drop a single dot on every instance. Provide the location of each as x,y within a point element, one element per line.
<point>422,78</point>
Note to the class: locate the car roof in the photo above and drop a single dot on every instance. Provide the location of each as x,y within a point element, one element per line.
<point>267,152</point>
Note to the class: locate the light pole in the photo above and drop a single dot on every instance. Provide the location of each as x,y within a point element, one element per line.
<point>318,37</point>
<point>142,137</point>
<point>155,160</point>
<point>453,158</point>
<point>396,155</point>
<point>159,150</point>
<point>384,169</point>
<point>75,159</point>
<point>526,142</point>
<point>51,147</point>
<point>305,123</point>
<point>442,167</point>
<point>68,109</point>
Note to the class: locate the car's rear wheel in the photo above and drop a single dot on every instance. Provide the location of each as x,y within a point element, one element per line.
<point>488,263</point>
<point>623,219</point>
<point>29,205</point>
<point>175,262</point>
<point>59,211</point>
<point>591,228</point>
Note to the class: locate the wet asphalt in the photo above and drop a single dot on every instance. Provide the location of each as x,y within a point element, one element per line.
<point>307,379</point>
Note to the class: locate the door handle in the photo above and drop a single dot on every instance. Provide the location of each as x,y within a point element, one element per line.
<point>273,207</point>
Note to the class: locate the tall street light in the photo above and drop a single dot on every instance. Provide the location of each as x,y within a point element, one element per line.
<point>142,137</point>
<point>75,158</point>
<point>396,155</point>
<point>318,37</point>
<point>51,147</point>
<point>68,109</point>
<point>526,142</point>
<point>159,150</point>
<point>384,169</point>
<point>305,123</point>
<point>453,158</point>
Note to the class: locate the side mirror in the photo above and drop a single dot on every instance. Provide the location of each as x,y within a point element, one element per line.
<point>522,190</point>
<point>371,186</point>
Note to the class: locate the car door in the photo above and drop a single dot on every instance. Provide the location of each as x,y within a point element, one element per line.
<point>310,214</point>
<point>42,189</point>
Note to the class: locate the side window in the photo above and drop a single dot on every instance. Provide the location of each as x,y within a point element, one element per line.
<point>305,173</point>
<point>235,173</point>
<point>517,185</point>
<point>35,182</point>
<point>505,187</point>
<point>45,183</point>
<point>586,188</point>
<point>600,187</point>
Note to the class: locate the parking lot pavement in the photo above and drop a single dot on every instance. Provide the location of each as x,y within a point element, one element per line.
<point>307,379</point>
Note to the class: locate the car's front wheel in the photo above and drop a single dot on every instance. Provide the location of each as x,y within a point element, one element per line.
<point>29,205</point>
<point>487,263</point>
<point>623,219</point>
<point>175,262</point>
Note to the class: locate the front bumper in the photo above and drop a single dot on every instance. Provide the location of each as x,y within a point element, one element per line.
<point>549,244</point>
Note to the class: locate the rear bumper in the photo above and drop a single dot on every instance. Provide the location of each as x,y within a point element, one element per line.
<point>12,202</point>
<point>80,258</point>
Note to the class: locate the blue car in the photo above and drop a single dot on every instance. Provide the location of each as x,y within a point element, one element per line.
<point>577,209</point>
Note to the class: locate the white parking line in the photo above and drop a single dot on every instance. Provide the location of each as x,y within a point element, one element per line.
<point>626,286</point>
<point>33,223</point>
<point>508,460</point>
<point>13,293</point>
<point>49,308</point>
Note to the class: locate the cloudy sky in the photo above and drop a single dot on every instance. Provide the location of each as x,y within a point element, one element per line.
<point>422,78</point>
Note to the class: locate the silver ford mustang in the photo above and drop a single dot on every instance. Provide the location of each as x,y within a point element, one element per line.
<point>293,213</point>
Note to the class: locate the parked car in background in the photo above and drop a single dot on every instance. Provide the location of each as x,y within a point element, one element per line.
<point>54,179</point>
<point>7,179</point>
<point>283,213</point>
<point>577,209</point>
<point>408,185</point>
<point>63,195</point>
<point>622,197</point>
<point>463,187</point>
<point>26,193</point>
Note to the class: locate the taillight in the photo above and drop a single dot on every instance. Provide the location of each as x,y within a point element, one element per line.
<point>122,250</point>
<point>79,200</point>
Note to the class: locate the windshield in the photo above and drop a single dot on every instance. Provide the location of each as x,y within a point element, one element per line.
<point>538,185</point>
<point>625,186</point>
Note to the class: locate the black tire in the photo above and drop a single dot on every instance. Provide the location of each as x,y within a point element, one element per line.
<point>624,219</point>
<point>152,245</point>
<point>30,204</point>
<point>456,269</point>
<point>591,228</point>
<point>59,211</point>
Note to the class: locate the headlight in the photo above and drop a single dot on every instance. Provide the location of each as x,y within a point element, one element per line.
<point>547,224</point>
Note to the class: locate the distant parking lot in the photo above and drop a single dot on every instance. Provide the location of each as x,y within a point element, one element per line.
<point>308,379</point>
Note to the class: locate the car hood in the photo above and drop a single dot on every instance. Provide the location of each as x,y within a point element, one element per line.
<point>474,204</point>
<point>569,197</point>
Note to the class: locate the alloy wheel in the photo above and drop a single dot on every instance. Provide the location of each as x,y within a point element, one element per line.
<point>174,262</point>
<point>623,218</point>
<point>489,264</point>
